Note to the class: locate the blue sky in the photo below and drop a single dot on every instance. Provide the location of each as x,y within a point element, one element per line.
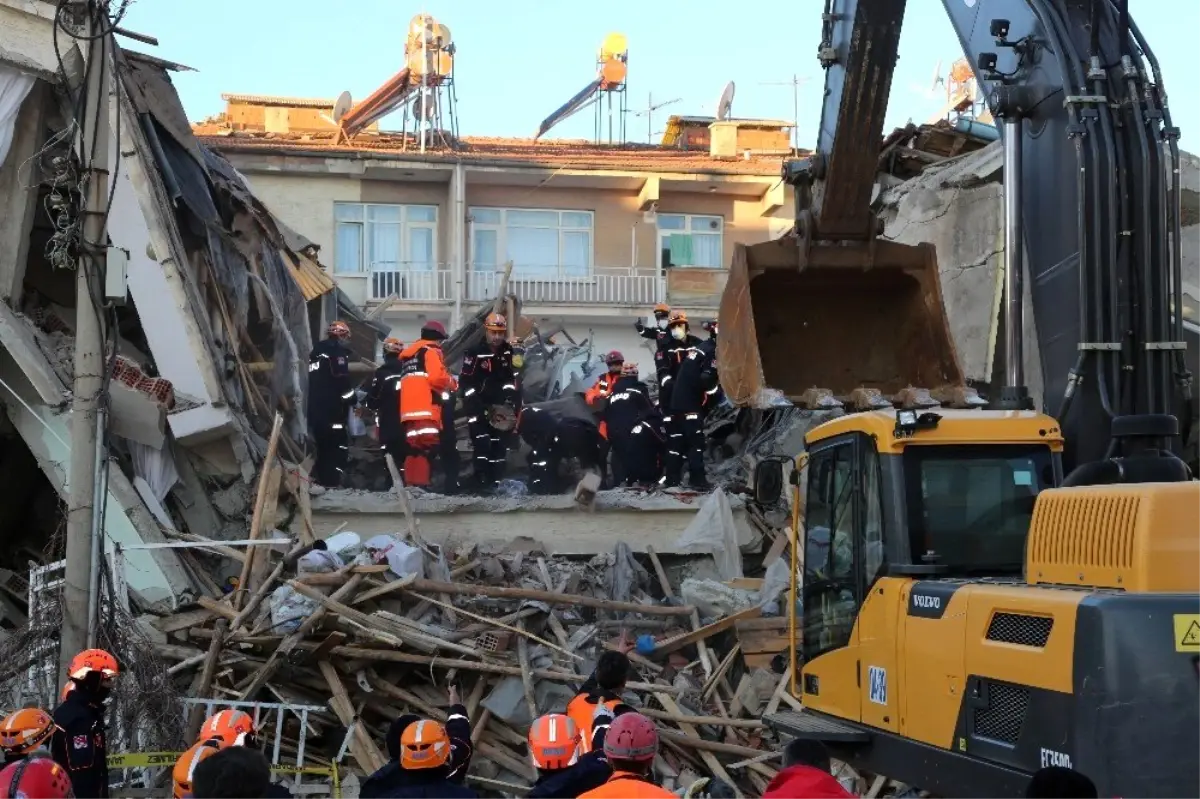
<point>518,60</point>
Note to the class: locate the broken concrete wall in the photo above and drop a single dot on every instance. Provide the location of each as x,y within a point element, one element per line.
<point>958,207</point>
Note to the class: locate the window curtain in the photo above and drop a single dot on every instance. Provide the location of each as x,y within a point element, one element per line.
<point>14,88</point>
<point>706,249</point>
<point>533,251</point>
<point>681,249</point>
<point>348,248</point>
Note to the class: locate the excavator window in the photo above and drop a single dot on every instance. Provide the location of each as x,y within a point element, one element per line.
<point>969,507</point>
<point>843,547</point>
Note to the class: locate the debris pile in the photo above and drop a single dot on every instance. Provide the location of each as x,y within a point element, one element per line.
<point>379,627</point>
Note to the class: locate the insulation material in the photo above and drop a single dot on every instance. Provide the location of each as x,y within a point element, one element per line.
<point>156,467</point>
<point>14,88</point>
<point>714,531</point>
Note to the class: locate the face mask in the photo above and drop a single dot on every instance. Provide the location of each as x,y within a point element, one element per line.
<point>662,324</point>
<point>678,333</point>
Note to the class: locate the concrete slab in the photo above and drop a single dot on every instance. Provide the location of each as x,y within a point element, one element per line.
<point>552,522</point>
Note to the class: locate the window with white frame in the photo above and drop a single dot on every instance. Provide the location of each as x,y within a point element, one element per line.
<point>691,240</point>
<point>371,237</point>
<point>541,243</point>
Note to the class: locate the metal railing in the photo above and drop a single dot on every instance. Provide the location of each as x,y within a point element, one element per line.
<point>601,286</point>
<point>435,284</point>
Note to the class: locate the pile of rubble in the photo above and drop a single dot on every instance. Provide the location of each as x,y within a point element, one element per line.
<point>377,628</point>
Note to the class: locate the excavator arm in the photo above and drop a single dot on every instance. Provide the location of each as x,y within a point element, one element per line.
<point>1092,220</point>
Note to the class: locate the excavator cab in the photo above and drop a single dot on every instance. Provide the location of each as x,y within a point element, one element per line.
<point>960,619</point>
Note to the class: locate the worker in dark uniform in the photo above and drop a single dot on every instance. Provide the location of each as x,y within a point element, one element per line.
<point>713,393</point>
<point>552,439</point>
<point>383,397</point>
<point>447,460</point>
<point>80,742</point>
<point>597,399</point>
<point>662,312</point>
<point>693,370</point>
<point>330,396</point>
<point>490,380</point>
<point>634,455</point>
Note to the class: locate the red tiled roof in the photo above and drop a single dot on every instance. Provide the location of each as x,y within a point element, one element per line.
<point>559,154</point>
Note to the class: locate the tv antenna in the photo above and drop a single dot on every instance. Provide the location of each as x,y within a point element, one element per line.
<point>648,113</point>
<point>796,82</point>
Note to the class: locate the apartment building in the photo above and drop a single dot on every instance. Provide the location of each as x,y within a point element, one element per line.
<point>597,234</point>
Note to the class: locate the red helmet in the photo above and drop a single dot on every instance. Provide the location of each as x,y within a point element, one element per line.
<point>435,327</point>
<point>90,660</point>
<point>614,357</point>
<point>37,777</point>
<point>554,742</point>
<point>631,736</point>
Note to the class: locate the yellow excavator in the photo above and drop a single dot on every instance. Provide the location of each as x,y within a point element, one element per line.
<point>981,593</point>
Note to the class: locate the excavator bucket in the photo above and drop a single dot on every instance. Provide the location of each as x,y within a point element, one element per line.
<point>856,316</point>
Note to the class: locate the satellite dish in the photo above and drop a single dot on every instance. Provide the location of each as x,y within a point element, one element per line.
<point>343,104</point>
<point>726,102</point>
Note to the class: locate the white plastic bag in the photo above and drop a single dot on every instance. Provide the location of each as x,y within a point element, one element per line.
<point>346,545</point>
<point>319,561</point>
<point>401,559</point>
<point>355,424</point>
<point>289,609</point>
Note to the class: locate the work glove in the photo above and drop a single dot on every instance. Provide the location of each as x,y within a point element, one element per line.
<point>638,326</point>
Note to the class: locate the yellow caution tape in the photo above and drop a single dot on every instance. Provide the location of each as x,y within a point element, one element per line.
<point>153,759</point>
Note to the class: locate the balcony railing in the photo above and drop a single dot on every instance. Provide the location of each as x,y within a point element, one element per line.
<point>605,286</point>
<point>433,285</point>
<point>612,286</point>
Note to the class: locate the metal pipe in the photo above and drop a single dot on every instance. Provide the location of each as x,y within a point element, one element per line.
<point>99,489</point>
<point>973,127</point>
<point>1014,290</point>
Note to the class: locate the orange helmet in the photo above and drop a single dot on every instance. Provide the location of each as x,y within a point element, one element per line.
<point>37,776</point>
<point>68,688</point>
<point>339,329</point>
<point>662,308</point>
<point>496,322</point>
<point>230,727</point>
<point>392,345</point>
<point>677,317</point>
<point>25,731</point>
<point>424,745</point>
<point>554,742</point>
<point>90,660</point>
<point>185,766</point>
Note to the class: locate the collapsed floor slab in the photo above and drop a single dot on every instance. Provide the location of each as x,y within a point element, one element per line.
<point>552,523</point>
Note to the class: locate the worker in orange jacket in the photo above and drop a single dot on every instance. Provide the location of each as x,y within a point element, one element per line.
<point>596,398</point>
<point>424,385</point>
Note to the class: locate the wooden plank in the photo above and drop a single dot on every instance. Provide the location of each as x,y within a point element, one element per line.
<point>369,758</point>
<point>691,738</point>
<point>686,639</point>
<point>183,620</point>
<point>260,498</point>
<point>553,597</point>
<point>261,565</point>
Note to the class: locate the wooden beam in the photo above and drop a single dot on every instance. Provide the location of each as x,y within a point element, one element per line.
<point>685,639</point>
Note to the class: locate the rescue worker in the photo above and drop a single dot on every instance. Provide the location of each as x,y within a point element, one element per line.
<point>80,740</point>
<point>489,378</point>
<point>226,728</point>
<point>184,772</point>
<point>805,772</point>
<point>424,385</point>
<point>25,732</point>
<point>631,745</point>
<point>426,760</point>
<point>552,439</point>
<point>393,776</point>
<point>713,394</point>
<point>1060,781</point>
<point>38,777</point>
<point>234,772</point>
<point>693,371</point>
<point>563,772</point>
<point>597,399</point>
<point>383,397</point>
<point>330,397</point>
<point>657,333</point>
<point>603,687</point>
<point>633,430</point>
